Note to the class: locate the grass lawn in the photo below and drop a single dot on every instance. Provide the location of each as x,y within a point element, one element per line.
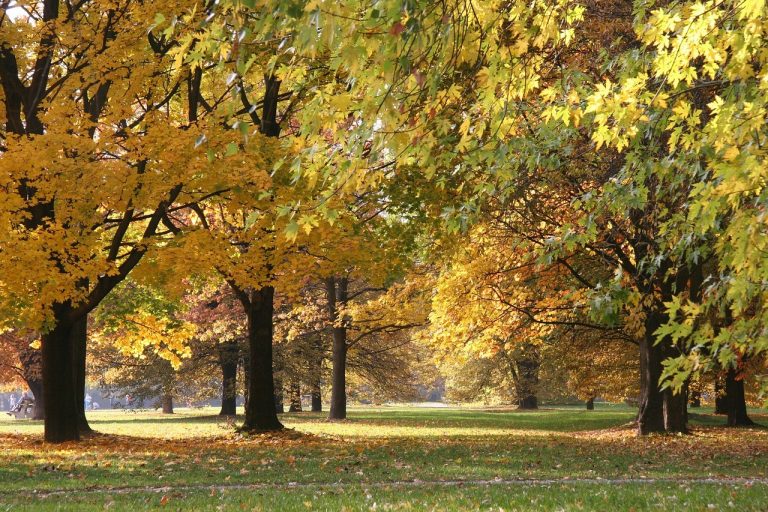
<point>404,458</point>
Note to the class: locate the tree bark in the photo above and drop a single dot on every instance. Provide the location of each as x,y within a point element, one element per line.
<point>260,414</point>
<point>650,417</point>
<point>317,375</point>
<point>295,397</point>
<point>336,290</point>
<point>32,372</point>
<point>591,404</point>
<point>695,399</point>
<point>277,372</point>
<point>167,403</point>
<point>36,386</point>
<point>736,403</point>
<point>528,379</point>
<point>59,391</point>
<point>245,364</point>
<point>228,357</point>
<point>317,399</point>
<point>721,399</point>
<point>79,351</point>
<point>338,376</point>
<point>675,412</point>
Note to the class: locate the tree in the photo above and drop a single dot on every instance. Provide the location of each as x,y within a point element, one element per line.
<point>86,199</point>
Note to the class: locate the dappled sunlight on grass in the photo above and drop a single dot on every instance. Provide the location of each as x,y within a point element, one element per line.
<point>144,450</point>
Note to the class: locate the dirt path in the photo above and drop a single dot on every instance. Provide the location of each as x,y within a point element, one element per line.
<point>394,483</point>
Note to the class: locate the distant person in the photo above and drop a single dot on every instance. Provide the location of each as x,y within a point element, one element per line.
<point>88,402</point>
<point>13,402</point>
<point>95,406</point>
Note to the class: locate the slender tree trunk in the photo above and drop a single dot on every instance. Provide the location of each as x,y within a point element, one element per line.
<point>650,417</point>
<point>317,399</point>
<point>591,404</point>
<point>317,372</point>
<point>59,391</point>
<point>167,402</point>
<point>736,401</point>
<point>337,293</point>
<point>79,351</point>
<point>260,414</point>
<point>245,364</point>
<point>295,397</point>
<point>339,376</point>
<point>228,357</point>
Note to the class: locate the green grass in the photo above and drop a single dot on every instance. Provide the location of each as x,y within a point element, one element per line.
<point>381,452</point>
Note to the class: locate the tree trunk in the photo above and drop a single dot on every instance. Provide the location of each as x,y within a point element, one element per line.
<point>695,399</point>
<point>36,386</point>
<point>675,411</point>
<point>336,291</point>
<point>167,402</point>
<point>317,375</point>
<point>245,364</point>
<point>228,357</point>
<point>650,416</point>
<point>317,399</point>
<point>339,375</point>
<point>32,372</point>
<point>527,382</point>
<point>736,401</point>
<point>79,350</point>
<point>721,399</point>
<point>295,397</point>
<point>59,392</point>
<point>260,414</point>
<point>591,404</point>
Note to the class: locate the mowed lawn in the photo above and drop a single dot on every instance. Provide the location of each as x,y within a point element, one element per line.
<point>392,458</point>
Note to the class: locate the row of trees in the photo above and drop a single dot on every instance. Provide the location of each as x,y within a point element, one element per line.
<point>588,173</point>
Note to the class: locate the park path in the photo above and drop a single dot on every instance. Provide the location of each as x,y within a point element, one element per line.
<point>395,483</point>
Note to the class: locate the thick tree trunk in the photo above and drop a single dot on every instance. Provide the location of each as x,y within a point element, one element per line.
<point>736,401</point>
<point>59,391</point>
<point>260,414</point>
<point>675,411</point>
<point>295,397</point>
<point>591,404</point>
<point>228,357</point>
<point>650,417</point>
<point>79,350</point>
<point>167,402</point>
<point>317,399</point>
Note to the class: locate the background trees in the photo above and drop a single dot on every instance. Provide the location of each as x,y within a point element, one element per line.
<point>579,180</point>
